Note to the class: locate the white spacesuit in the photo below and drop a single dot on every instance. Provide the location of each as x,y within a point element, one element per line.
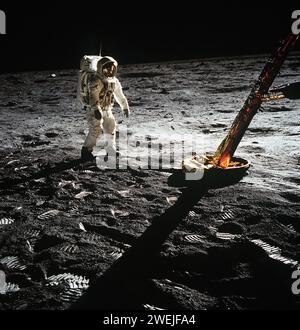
<point>99,88</point>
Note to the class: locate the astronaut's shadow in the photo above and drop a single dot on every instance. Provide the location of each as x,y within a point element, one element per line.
<point>127,283</point>
<point>48,169</point>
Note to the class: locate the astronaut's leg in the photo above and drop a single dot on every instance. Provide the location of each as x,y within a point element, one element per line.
<point>95,128</point>
<point>109,129</point>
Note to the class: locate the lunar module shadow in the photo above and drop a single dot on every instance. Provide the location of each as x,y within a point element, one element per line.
<point>213,179</point>
<point>126,284</point>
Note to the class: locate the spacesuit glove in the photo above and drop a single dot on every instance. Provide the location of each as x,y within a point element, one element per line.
<point>126,112</point>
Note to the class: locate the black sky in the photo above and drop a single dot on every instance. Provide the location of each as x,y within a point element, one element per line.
<point>51,35</point>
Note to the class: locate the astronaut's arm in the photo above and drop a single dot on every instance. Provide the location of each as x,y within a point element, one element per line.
<point>121,99</point>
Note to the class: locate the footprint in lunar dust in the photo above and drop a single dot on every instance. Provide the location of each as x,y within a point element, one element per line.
<point>73,286</point>
<point>194,238</point>
<point>274,252</point>
<point>71,295</point>
<point>48,215</point>
<point>226,236</point>
<point>7,287</point>
<point>90,238</point>
<point>69,248</point>
<point>31,237</point>
<point>12,262</point>
<point>6,221</point>
<point>116,254</point>
<point>225,214</point>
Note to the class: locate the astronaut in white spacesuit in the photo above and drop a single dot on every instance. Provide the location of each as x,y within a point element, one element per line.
<point>99,89</point>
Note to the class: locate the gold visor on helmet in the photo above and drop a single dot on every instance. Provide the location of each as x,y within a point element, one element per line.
<point>109,70</point>
<point>107,66</point>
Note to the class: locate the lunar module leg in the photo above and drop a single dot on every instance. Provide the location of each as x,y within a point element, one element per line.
<point>226,149</point>
<point>223,158</point>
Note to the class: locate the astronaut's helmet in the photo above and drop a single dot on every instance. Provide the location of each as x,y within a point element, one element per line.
<point>107,66</point>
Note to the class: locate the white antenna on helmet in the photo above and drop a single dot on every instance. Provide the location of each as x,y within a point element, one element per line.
<point>100,53</point>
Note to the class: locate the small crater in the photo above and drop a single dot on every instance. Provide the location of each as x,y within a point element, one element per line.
<point>51,135</point>
<point>47,242</point>
<point>232,228</point>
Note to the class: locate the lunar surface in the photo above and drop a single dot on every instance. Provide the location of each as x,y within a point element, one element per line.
<point>90,236</point>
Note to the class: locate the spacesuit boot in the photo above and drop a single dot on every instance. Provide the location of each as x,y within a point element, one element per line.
<point>86,154</point>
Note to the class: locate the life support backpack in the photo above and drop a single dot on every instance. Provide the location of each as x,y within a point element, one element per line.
<point>88,66</point>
